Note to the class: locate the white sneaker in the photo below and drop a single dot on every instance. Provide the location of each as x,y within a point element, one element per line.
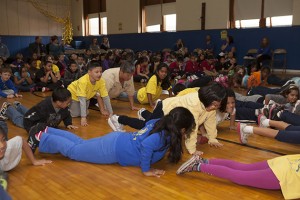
<point>114,124</point>
<point>243,136</point>
<point>296,108</point>
<point>139,114</point>
<point>260,120</point>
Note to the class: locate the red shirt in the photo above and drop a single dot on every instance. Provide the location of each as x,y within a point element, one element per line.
<point>192,67</point>
<point>204,65</point>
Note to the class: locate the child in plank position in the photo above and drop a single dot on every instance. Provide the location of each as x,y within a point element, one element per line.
<point>203,105</point>
<point>89,86</point>
<point>142,148</point>
<point>274,174</point>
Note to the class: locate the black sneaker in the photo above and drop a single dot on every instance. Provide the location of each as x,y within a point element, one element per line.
<point>286,85</point>
<point>32,141</point>
<point>275,109</point>
<point>3,179</point>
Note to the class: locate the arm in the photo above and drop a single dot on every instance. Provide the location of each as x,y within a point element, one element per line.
<point>149,96</point>
<point>107,105</point>
<point>101,106</point>
<point>232,120</point>
<point>83,108</point>
<point>30,156</point>
<point>138,72</point>
<point>210,125</point>
<point>131,101</point>
<point>53,77</point>
<point>18,82</point>
<point>45,78</point>
<point>148,146</point>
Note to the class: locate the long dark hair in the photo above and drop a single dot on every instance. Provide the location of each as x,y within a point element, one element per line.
<point>165,83</point>
<point>170,129</point>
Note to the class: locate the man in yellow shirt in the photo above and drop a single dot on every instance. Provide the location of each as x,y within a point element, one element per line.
<point>89,86</point>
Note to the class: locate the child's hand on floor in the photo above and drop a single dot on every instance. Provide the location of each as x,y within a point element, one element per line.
<point>105,112</point>
<point>41,162</point>
<point>10,96</point>
<point>215,144</point>
<point>83,121</point>
<point>154,172</point>
<point>72,127</point>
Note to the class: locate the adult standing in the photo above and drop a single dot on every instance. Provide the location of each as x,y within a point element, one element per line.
<point>4,52</point>
<point>37,47</point>
<point>105,43</point>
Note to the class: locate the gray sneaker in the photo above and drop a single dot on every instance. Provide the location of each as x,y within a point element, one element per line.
<point>188,166</point>
<point>243,136</point>
<point>114,124</point>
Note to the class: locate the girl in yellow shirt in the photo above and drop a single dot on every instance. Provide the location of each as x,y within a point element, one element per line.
<point>274,174</point>
<point>158,82</point>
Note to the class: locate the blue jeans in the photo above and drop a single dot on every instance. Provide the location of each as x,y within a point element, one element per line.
<point>290,135</point>
<point>100,150</point>
<point>16,115</point>
<point>290,118</point>
<point>3,125</point>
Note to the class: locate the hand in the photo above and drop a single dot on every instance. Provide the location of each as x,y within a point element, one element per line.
<point>41,162</point>
<point>72,127</point>
<point>10,96</point>
<point>83,121</point>
<point>215,144</point>
<point>134,108</point>
<point>197,153</point>
<point>104,112</point>
<point>154,172</point>
<point>232,127</point>
<point>152,105</point>
<point>18,95</point>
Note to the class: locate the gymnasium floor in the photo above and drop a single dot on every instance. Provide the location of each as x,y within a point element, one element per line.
<point>67,179</point>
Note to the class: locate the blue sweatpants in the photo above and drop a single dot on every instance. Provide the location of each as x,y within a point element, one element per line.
<point>101,150</point>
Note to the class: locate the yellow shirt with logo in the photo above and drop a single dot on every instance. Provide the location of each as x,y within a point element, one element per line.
<point>287,171</point>
<point>84,88</point>
<point>192,102</point>
<point>152,88</point>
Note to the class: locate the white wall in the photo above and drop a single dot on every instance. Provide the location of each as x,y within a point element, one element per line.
<point>19,17</point>
<point>77,17</point>
<point>122,14</point>
<point>189,13</point>
<point>296,12</point>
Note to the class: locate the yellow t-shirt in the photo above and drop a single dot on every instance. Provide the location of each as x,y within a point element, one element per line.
<point>287,171</point>
<point>84,88</point>
<point>151,88</point>
<point>187,91</point>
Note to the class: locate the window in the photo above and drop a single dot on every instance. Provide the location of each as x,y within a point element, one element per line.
<point>279,21</point>
<point>94,26</point>
<point>154,28</point>
<point>104,25</point>
<point>170,22</point>
<point>249,23</point>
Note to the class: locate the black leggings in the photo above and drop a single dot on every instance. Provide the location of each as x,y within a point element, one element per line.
<point>139,124</point>
<point>290,135</point>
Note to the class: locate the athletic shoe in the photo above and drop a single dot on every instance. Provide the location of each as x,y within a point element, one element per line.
<point>286,85</point>
<point>3,179</point>
<point>265,110</point>
<point>296,109</point>
<point>243,136</point>
<point>274,111</point>
<point>139,114</point>
<point>17,103</point>
<point>260,119</point>
<point>190,164</point>
<point>3,110</point>
<point>32,89</point>
<point>45,89</point>
<point>32,140</point>
<point>114,124</point>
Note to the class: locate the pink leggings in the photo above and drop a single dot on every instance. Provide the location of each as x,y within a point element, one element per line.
<point>257,175</point>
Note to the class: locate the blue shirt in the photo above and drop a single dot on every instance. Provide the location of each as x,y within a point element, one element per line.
<point>140,148</point>
<point>264,51</point>
<point>24,83</point>
<point>7,85</point>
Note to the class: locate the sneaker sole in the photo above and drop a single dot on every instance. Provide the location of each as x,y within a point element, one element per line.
<point>239,132</point>
<point>112,126</point>
<point>187,163</point>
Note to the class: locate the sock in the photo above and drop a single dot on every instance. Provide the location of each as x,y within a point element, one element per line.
<point>38,136</point>
<point>279,114</point>
<point>248,129</point>
<point>266,122</point>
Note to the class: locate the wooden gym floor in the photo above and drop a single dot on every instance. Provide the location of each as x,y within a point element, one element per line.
<point>67,179</point>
